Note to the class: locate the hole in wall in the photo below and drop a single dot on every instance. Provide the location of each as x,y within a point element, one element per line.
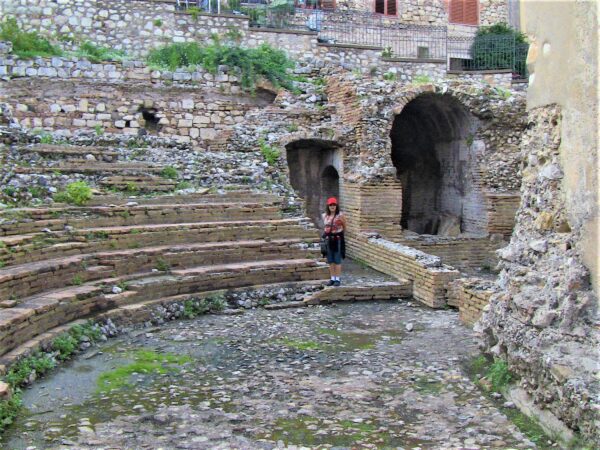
<point>151,121</point>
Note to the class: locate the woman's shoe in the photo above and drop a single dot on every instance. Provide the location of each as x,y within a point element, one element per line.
<point>336,283</point>
<point>330,283</point>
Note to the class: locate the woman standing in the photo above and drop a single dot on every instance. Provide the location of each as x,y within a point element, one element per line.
<point>335,224</point>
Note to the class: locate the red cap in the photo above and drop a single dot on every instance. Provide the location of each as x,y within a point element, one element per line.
<point>331,201</point>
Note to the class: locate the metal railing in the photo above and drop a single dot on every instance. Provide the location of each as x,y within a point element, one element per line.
<point>488,52</point>
<point>396,39</point>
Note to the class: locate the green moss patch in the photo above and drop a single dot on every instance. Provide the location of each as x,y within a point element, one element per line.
<point>145,362</point>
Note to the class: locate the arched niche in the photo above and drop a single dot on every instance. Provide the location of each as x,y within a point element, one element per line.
<point>431,150</point>
<point>315,168</point>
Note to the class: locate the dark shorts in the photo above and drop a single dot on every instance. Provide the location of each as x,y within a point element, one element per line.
<point>334,256</point>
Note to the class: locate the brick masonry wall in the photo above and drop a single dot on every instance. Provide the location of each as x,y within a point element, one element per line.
<point>428,275</point>
<point>501,210</point>
<point>470,296</point>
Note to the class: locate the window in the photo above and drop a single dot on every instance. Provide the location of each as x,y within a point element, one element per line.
<point>465,12</point>
<point>387,7</point>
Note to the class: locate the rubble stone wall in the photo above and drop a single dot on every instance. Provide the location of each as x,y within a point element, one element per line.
<point>545,320</point>
<point>185,112</point>
<point>493,11</point>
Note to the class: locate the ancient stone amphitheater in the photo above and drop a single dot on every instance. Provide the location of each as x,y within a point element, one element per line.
<point>130,193</point>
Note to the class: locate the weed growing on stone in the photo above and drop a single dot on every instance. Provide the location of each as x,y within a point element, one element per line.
<point>195,307</point>
<point>194,12</point>
<point>271,154</point>
<point>125,214</point>
<point>99,130</point>
<point>46,139</point>
<point>183,185</point>
<point>132,188</point>
<point>421,79</point>
<point>292,127</point>
<point>20,373</point>
<point>76,193</point>
<point>65,345</point>
<point>26,44</point>
<point>499,375</point>
<point>170,173</point>
<point>9,409</point>
<point>389,76</point>
<point>162,265</point>
<point>145,361</point>
<point>157,22</point>
<point>98,53</point>
<point>96,235</point>
<point>77,280</point>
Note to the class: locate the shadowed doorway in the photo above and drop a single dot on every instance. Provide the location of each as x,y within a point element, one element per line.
<point>314,173</point>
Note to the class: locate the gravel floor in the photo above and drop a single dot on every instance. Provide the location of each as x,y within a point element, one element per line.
<point>363,375</point>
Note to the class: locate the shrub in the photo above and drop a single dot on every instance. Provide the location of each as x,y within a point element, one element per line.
<point>158,23</point>
<point>26,45</point>
<point>77,193</point>
<point>250,65</point>
<point>271,154</point>
<point>169,173</point>
<point>97,53</point>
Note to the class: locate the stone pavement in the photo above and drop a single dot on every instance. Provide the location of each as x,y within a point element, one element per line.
<point>361,375</point>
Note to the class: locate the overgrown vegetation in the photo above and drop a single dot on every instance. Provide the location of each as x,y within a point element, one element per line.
<point>249,64</point>
<point>76,193</point>
<point>38,364</point>
<point>98,53</point>
<point>169,173</point>
<point>271,154</point>
<point>26,44</point>
<point>196,307</point>
<point>421,79</point>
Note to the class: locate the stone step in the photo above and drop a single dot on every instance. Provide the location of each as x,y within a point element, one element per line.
<point>87,167</point>
<point>224,276</point>
<point>204,196</point>
<point>33,220</point>
<point>388,290</point>
<point>38,314</point>
<point>100,153</point>
<point>138,183</point>
<point>21,249</point>
<point>28,279</point>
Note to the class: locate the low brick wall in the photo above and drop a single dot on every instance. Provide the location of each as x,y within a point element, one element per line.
<point>459,252</point>
<point>427,274</point>
<point>470,296</point>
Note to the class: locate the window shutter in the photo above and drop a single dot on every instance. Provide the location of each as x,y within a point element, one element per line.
<point>464,11</point>
<point>471,16</point>
<point>391,8</point>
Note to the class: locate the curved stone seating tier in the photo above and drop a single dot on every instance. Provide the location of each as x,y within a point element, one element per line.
<point>67,151</point>
<point>22,249</point>
<point>204,196</point>
<point>28,279</point>
<point>62,263</point>
<point>32,220</point>
<point>42,312</point>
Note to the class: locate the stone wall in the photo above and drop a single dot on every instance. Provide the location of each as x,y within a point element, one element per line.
<point>470,296</point>
<point>545,320</point>
<point>493,11</point>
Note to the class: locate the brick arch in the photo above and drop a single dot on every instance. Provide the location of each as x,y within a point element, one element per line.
<point>430,138</point>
